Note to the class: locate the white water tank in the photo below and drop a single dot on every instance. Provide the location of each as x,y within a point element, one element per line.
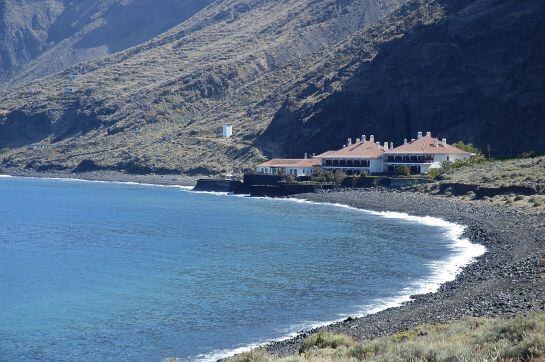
<point>227,130</point>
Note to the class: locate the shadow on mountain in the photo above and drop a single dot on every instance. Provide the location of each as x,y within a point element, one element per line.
<point>477,75</point>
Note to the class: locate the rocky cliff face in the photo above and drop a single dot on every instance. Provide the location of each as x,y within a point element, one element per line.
<point>43,37</point>
<point>475,73</point>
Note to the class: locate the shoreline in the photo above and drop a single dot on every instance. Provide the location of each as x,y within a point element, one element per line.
<point>454,265</point>
<point>507,280</point>
<point>109,176</point>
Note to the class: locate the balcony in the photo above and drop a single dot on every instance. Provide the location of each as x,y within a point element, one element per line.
<point>409,159</point>
<point>346,163</point>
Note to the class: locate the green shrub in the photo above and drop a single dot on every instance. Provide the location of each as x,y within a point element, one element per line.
<point>322,176</point>
<point>519,198</point>
<point>467,147</point>
<point>529,154</point>
<point>326,340</point>
<point>435,173</point>
<point>255,355</point>
<point>403,170</point>
<point>339,177</point>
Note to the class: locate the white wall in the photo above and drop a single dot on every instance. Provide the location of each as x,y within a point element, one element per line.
<point>227,131</point>
<point>299,171</point>
<point>376,165</point>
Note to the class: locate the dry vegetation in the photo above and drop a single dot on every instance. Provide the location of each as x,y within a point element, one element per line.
<point>473,339</point>
<point>500,175</point>
<point>521,172</point>
<point>162,104</point>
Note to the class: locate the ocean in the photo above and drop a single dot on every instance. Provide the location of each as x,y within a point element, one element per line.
<point>103,271</point>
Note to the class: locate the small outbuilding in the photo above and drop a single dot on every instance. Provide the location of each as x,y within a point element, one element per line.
<point>227,130</point>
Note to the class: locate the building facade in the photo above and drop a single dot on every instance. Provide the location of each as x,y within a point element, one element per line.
<point>422,154</point>
<point>362,156</point>
<point>285,166</point>
<point>365,156</point>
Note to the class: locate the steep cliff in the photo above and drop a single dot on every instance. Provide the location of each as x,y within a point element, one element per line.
<point>475,73</point>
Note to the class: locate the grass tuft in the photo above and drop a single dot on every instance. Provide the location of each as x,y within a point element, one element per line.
<point>326,340</point>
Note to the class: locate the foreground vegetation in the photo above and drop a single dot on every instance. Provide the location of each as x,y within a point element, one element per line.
<point>473,339</point>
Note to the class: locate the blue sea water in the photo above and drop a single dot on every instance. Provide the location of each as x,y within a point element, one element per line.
<point>105,271</point>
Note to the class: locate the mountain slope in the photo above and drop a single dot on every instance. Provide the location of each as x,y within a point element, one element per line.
<point>159,106</point>
<point>43,37</point>
<point>477,74</point>
<point>292,76</point>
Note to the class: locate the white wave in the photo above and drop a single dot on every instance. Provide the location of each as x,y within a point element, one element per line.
<point>5,176</point>
<point>215,193</point>
<point>465,253</point>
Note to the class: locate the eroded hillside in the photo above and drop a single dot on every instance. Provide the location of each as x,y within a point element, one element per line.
<point>158,107</point>
<point>39,38</point>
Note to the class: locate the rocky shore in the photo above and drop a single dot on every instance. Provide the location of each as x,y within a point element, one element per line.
<point>509,279</point>
<point>179,180</point>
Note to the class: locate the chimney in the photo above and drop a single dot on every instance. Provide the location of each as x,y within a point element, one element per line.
<point>349,141</point>
<point>419,136</point>
<point>344,146</point>
<point>428,134</point>
<point>444,142</point>
<point>357,140</point>
<point>372,138</point>
<point>385,146</point>
<point>391,145</point>
<point>313,155</point>
<point>306,156</point>
<point>405,141</point>
<point>435,142</point>
<point>378,144</point>
<point>363,138</point>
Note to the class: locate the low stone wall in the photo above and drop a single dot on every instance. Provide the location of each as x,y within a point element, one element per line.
<point>480,192</point>
<point>218,185</point>
<point>384,181</point>
<point>284,189</point>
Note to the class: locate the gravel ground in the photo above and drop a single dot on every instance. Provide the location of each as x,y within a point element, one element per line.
<point>509,279</point>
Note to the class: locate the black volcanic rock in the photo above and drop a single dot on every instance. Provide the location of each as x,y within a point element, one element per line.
<point>477,75</point>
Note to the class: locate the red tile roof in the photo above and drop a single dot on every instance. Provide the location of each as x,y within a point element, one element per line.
<point>426,145</point>
<point>290,162</point>
<point>364,149</point>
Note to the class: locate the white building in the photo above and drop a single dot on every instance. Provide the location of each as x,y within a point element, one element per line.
<point>227,130</point>
<point>286,166</point>
<point>363,156</point>
<point>422,154</point>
